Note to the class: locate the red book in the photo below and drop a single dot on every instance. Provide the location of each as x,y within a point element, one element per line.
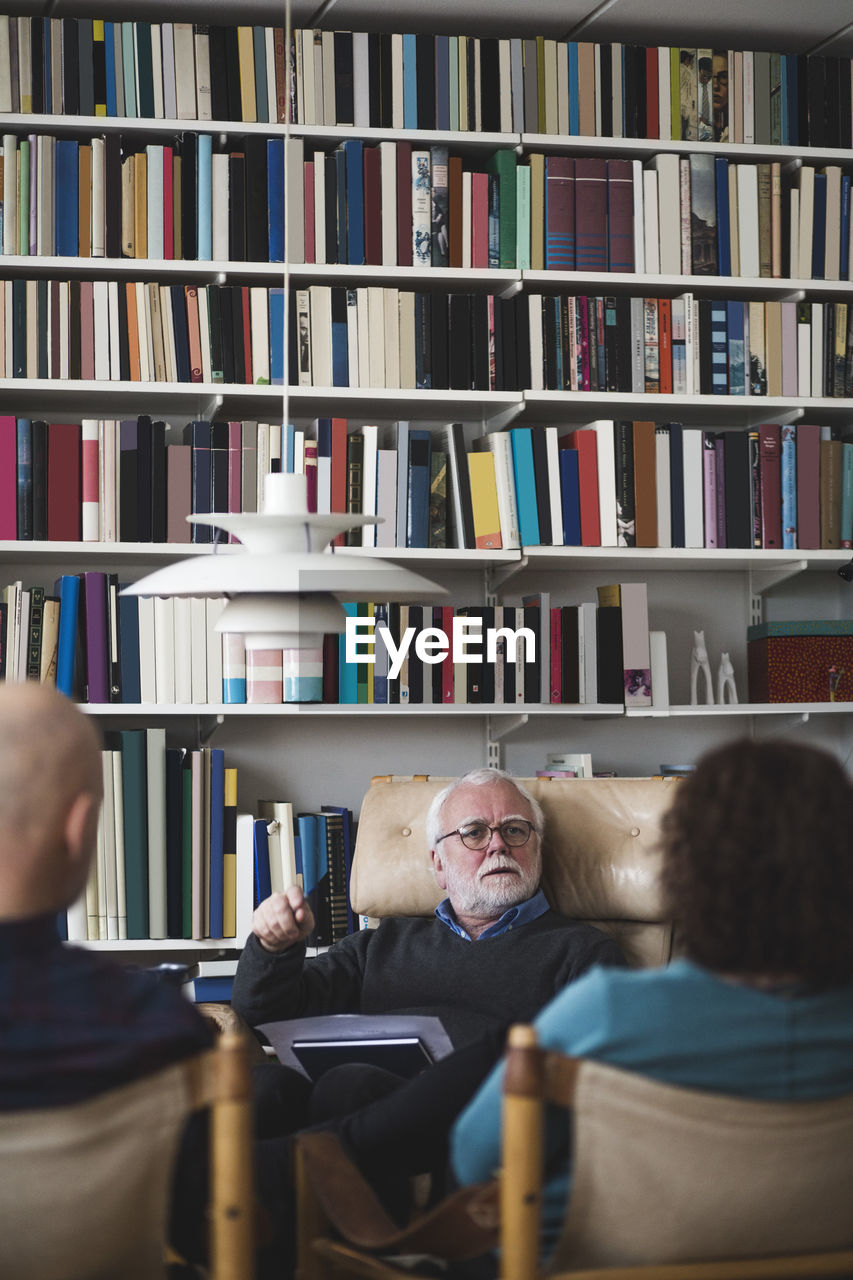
<point>281,76</point>
<point>585,441</point>
<point>8,480</point>
<point>63,481</point>
<point>770,472</point>
<point>338,495</point>
<point>447,673</point>
<point>556,654</point>
<point>311,474</point>
<point>372,208</point>
<point>168,204</point>
<point>652,106</point>
<point>247,334</point>
<point>87,330</point>
<point>95,605</point>
<point>590,214</point>
<point>808,486</point>
<point>559,213</point>
<point>665,345</point>
<point>479,220</point>
<point>404,204</point>
<point>308,186</point>
<point>194,333</point>
<point>620,215</point>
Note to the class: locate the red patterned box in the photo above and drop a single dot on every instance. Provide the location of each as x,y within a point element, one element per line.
<point>801,661</point>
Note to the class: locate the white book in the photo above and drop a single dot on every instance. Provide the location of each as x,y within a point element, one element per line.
<point>90,505</point>
<point>320,298</point>
<point>660,669</point>
<point>552,110</point>
<point>324,485</point>
<point>294,223</point>
<point>302,303</point>
<point>108,527</point>
<point>168,324</point>
<point>147,678</point>
<point>552,453</point>
<point>101,327</point>
<point>198,650</point>
<point>669,212</point>
<point>804,358</point>
<point>686,214</point>
<point>638,347</point>
<point>747,197</point>
<point>63,328</point>
<point>694,510</point>
<point>170,98</point>
<point>204,330</point>
<point>214,650</point>
<point>320,207</point>
<point>401,430</point>
<point>369,482</point>
<point>421,209</point>
<point>99,215</point>
<point>534,315</point>
<point>748,97</point>
<point>263,461</point>
<point>499,444</point>
<point>185,94</point>
<point>832,224</point>
<point>651,230</point>
<point>164,649</point>
<point>76,917</point>
<point>245,873</point>
<point>806,221</point>
<point>562,89</point>
<point>662,485</point>
<point>664,95</point>
<point>146,350</point>
<point>5,67</point>
<point>360,80</point>
<point>155,740</point>
<point>328,46</point>
<point>817,350</point>
<point>317,48</point>
<point>376,337</point>
<point>639,218</point>
<point>606,456</point>
<point>269,54</point>
<point>219,207</point>
<point>397,109</point>
<point>635,642</point>
<point>46,222</point>
<point>157,69</point>
<point>183,650</point>
<point>587,634</point>
<point>386,497</point>
<point>259,316</point>
<point>392,337</point>
<point>408,368</point>
<point>794,233</point>
<point>388,179</point>
<point>10,193</point>
<point>109,838</point>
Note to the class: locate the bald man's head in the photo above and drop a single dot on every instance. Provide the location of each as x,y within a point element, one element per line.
<point>50,794</point>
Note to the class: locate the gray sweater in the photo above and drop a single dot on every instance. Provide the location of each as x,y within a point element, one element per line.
<point>419,966</point>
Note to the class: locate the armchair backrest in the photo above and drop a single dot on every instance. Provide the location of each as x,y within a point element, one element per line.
<point>600,857</point>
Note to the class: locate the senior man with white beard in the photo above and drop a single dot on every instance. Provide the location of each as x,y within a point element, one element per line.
<point>493,953</point>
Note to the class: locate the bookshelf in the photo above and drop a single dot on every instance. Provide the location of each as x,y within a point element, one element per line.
<point>315,754</point>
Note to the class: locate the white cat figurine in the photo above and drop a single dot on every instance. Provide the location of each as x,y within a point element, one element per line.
<point>699,662</point>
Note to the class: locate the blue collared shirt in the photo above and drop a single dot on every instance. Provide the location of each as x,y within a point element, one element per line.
<point>532,909</point>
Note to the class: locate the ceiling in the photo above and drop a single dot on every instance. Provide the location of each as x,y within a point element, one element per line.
<point>788,26</point>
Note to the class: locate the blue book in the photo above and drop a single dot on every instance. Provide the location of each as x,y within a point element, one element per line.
<point>525,485</point>
<point>315,874</point>
<point>789,486</point>
<point>844,263</point>
<point>737,348</point>
<point>134,781</point>
<point>197,435</point>
<point>724,248</point>
<point>347,671</point>
<point>494,221</point>
<point>819,232</point>
<point>340,346</point>
<point>574,96</point>
<point>110,63</point>
<point>128,70</point>
<point>24,478</point>
<point>417,525</point>
<point>212,987</point>
<point>846,538</point>
<point>216,816</point>
<point>277,337</point>
<point>67,200</point>
<point>570,497</point>
<point>442,82</point>
<point>288,446</point>
<point>205,226</point>
<point>263,885</point>
<point>275,199</point>
<point>410,82</point>
<point>68,589</point>
<point>339,159</point>
<point>676,482</point>
<point>354,196</point>
<point>128,615</point>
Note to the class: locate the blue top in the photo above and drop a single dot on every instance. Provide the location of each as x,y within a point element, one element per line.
<point>682,1025</point>
<point>519,915</point>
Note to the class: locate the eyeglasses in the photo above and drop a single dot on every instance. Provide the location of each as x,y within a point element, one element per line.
<point>476,835</point>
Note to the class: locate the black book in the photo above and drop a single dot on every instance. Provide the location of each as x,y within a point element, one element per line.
<point>569,655</point>
<point>197,434</point>
<point>832,100</point>
<point>43,331</point>
<point>481,675</point>
<point>341,209</point>
<point>143,477</point>
<point>93,68</point>
<point>626,516</point>
<point>112,194</point>
<point>460,369</point>
<point>423,330</point>
<point>437,668</point>
<point>592,343</point>
<point>802,64</point>
<point>472,80</point>
<point>606,91</point>
<point>174,842</point>
<point>144,68</point>
<point>630,91</point>
<point>374,79</point>
<point>438,342</point>
<point>331,166</point>
<point>237,206</point>
<point>516,343</point>
<point>232,74</point>
<point>158,482</point>
<point>816,99</point>
<point>533,670</point>
<point>24,496</point>
<point>481,345</point>
<point>550,307</point>
<point>611,680</point>
<point>37,29</point>
<point>344,108</point>
<point>218,500</point>
<point>459,487</point>
<point>123,341</point>
<point>74,369</point>
<point>219,106</point>
<point>543,495</point>
<point>237,344</point>
<point>706,371</point>
<point>217,369</point>
<point>71,69</point>
<point>508,616</point>
<point>386,81</point>
<point>394,629</point>
<point>504,323</point>
<point>128,481</point>
<point>257,232</point>
<point>189,204</point>
<point>182,340</point>
<point>425,64</point>
<point>737,478</point>
<point>490,85</point>
<point>227,329</point>
<point>416,664</point>
<point>845,125</point>
<point>19,329</point>
<point>617,343</point>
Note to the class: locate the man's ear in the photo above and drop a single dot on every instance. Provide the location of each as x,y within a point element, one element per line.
<point>81,826</point>
<point>438,868</point>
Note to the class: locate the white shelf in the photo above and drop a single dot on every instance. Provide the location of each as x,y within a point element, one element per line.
<point>578,406</point>
<point>337,710</point>
<point>116,553</point>
<point>681,559</point>
<point>642,148</point>
<point>161,945</point>
<point>650,285</point>
<point>746,709</point>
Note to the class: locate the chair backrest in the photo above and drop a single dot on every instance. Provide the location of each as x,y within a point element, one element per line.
<point>600,857</point>
<point>664,1174</point>
<point>84,1189</point>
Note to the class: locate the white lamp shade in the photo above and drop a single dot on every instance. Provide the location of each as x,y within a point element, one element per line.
<point>282,622</point>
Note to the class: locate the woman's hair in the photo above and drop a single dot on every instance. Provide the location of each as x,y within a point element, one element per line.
<point>478,777</point>
<point>758,863</point>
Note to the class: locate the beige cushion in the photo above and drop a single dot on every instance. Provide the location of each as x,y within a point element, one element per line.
<point>667,1174</point>
<point>601,861</point>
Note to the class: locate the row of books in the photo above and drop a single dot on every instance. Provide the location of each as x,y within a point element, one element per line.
<point>167,863</point>
<point>686,346</point>
<point>407,81</point>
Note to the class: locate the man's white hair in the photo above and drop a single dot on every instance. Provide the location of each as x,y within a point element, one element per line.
<point>478,778</point>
